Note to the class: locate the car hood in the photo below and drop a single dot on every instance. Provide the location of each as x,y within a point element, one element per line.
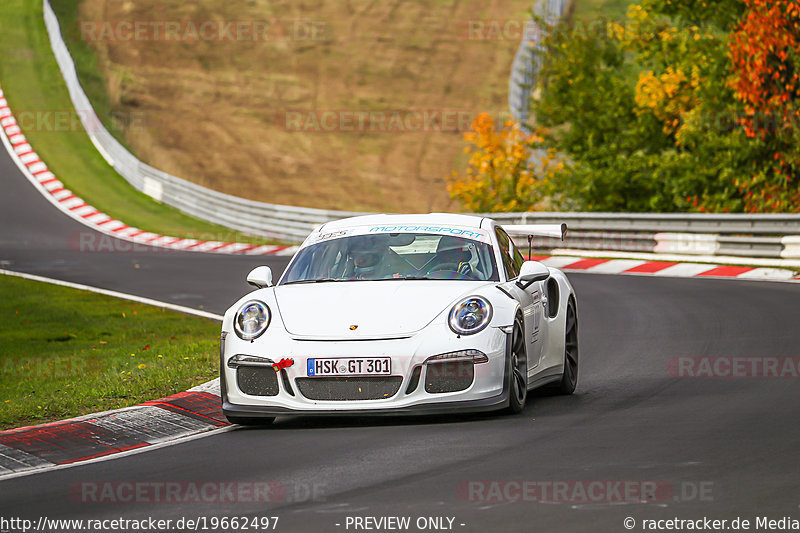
<point>360,310</point>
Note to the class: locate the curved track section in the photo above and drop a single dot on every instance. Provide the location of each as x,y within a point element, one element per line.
<point>38,239</point>
<point>692,447</point>
<point>48,184</point>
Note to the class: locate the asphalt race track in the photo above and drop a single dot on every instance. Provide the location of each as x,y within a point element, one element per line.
<point>719,447</point>
<point>37,238</point>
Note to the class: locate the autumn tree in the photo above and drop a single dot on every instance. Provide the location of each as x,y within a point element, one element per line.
<point>500,175</point>
<point>686,105</point>
<point>643,112</point>
<point>765,56</point>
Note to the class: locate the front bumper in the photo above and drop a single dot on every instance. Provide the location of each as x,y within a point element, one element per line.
<point>465,406</point>
<point>488,390</point>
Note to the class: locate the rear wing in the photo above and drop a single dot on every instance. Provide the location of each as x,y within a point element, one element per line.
<point>556,231</point>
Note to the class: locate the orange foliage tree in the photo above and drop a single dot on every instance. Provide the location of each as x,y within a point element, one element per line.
<point>765,55</point>
<point>500,175</point>
<point>692,105</point>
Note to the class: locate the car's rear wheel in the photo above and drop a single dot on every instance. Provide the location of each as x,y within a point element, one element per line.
<point>251,420</point>
<point>569,378</point>
<point>518,369</point>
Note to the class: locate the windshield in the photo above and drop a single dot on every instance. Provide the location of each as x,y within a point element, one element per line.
<point>393,256</point>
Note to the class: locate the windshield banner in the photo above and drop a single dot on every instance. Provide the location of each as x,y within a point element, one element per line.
<point>474,234</point>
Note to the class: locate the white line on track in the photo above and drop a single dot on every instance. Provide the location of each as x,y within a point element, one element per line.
<point>115,294</point>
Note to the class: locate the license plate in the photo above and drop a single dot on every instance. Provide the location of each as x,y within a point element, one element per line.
<point>350,366</point>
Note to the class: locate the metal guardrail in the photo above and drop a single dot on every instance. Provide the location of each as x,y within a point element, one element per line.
<point>725,224</point>
<point>721,234</point>
<point>528,60</point>
<point>738,235</point>
<point>692,244</point>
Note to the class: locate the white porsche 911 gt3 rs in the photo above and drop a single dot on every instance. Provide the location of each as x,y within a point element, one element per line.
<point>390,314</point>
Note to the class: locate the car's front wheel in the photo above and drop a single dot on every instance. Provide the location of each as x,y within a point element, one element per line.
<point>518,368</point>
<point>251,420</point>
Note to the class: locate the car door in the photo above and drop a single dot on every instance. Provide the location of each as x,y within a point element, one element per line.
<point>530,299</point>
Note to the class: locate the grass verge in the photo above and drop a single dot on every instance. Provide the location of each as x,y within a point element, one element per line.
<point>66,352</point>
<point>38,96</point>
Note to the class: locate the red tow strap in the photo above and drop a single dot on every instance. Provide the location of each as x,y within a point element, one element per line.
<point>283,363</point>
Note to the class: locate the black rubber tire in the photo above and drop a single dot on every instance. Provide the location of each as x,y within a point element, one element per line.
<point>251,420</point>
<point>569,379</point>
<point>517,369</point>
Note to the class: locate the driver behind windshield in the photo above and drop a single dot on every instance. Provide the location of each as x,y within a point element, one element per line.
<point>371,258</point>
<point>453,254</point>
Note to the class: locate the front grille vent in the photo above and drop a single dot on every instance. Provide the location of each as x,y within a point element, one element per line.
<point>349,388</point>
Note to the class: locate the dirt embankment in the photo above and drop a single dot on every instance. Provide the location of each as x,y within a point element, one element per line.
<point>293,114</point>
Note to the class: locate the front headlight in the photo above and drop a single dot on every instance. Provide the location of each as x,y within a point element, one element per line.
<point>251,320</point>
<point>470,315</point>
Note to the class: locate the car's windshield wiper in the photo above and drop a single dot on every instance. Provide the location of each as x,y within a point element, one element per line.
<point>400,278</point>
<point>319,280</point>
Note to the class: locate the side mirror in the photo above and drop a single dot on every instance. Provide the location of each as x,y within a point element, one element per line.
<point>260,277</point>
<point>531,272</point>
